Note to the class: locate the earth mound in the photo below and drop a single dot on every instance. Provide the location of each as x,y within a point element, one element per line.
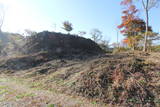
<point>11,43</point>
<point>116,79</point>
<point>61,45</point>
<point>47,46</point>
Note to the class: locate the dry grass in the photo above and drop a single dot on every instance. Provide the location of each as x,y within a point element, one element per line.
<point>124,79</point>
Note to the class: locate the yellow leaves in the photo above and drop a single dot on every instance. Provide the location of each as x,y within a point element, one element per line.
<point>132,41</point>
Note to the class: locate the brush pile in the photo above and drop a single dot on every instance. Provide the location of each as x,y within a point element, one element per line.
<point>120,82</point>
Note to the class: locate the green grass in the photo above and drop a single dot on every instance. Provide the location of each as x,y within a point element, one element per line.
<point>51,105</point>
<point>22,95</point>
<point>3,79</point>
<point>94,102</point>
<point>143,82</point>
<point>35,84</point>
<point>3,87</point>
<point>3,91</point>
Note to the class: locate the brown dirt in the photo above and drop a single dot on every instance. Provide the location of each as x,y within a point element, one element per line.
<point>124,79</point>
<point>20,95</point>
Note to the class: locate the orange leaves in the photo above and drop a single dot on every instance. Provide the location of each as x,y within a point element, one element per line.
<point>128,17</point>
<point>125,41</point>
<point>120,26</point>
<point>131,25</point>
<point>126,2</point>
<point>132,41</point>
<point>133,9</point>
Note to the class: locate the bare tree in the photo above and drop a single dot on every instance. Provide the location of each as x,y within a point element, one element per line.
<point>96,35</point>
<point>2,14</point>
<point>82,33</point>
<point>29,32</point>
<point>104,44</point>
<point>148,5</point>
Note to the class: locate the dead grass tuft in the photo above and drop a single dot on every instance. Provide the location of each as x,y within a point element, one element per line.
<point>123,83</point>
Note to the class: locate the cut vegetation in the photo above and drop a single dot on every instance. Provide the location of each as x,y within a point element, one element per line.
<point>94,79</point>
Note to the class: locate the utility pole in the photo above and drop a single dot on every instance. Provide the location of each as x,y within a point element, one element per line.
<point>117,38</point>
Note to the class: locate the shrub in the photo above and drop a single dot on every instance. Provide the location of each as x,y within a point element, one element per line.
<point>120,49</point>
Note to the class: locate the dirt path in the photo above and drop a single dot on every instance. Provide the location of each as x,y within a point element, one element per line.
<point>13,94</point>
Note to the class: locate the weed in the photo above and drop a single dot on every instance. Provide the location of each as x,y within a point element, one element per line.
<point>143,82</point>
<point>132,100</point>
<point>51,105</point>
<point>3,91</point>
<point>158,73</point>
<point>22,95</point>
<point>3,80</point>
<point>3,87</point>
<point>36,84</point>
<point>94,102</point>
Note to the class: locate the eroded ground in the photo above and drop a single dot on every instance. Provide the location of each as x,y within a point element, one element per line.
<point>82,83</point>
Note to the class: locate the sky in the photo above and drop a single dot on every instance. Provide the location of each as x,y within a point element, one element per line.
<point>85,15</point>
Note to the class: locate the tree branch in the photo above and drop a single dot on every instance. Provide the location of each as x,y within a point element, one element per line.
<point>144,6</point>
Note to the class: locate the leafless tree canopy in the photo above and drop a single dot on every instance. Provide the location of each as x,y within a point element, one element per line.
<point>96,35</point>
<point>148,4</point>
<point>2,14</point>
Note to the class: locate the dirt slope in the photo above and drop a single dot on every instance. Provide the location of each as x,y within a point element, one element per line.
<point>10,43</point>
<point>61,45</point>
<point>126,79</point>
<point>16,94</point>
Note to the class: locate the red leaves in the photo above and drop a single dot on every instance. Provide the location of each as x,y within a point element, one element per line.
<point>125,41</point>
<point>128,17</point>
<point>126,2</point>
<point>120,26</point>
<point>125,11</point>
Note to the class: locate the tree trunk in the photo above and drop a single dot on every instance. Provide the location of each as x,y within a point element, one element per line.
<point>147,24</point>
<point>146,33</point>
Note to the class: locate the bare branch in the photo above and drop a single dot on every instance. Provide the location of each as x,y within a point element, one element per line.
<point>2,15</point>
<point>144,6</point>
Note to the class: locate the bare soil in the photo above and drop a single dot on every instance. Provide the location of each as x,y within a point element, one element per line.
<point>124,79</point>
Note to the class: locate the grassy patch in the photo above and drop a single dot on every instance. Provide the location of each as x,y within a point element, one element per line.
<point>3,87</point>
<point>3,79</point>
<point>22,95</point>
<point>3,91</point>
<point>35,84</point>
<point>94,102</point>
<point>51,105</point>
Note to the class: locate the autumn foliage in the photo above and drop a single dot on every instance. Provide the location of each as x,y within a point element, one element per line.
<point>132,26</point>
<point>129,20</point>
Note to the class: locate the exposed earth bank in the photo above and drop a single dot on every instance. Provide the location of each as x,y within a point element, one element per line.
<point>124,79</point>
<point>53,69</point>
